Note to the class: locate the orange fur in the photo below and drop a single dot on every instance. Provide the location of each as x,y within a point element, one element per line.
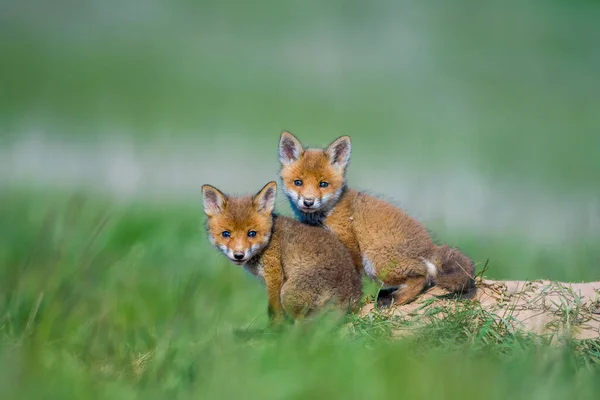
<point>304,268</point>
<point>384,241</point>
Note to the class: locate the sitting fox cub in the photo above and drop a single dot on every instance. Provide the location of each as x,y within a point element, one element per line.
<point>304,268</point>
<point>385,242</point>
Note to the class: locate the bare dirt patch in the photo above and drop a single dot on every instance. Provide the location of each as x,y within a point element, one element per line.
<point>542,307</point>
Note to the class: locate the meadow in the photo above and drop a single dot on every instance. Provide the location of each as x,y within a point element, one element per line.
<point>481,119</point>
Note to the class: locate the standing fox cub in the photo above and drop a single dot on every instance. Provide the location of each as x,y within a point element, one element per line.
<point>304,268</point>
<point>385,242</point>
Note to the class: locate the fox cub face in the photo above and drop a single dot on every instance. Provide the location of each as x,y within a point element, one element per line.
<point>239,226</point>
<point>313,179</point>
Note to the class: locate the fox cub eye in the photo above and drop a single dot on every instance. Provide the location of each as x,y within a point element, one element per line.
<point>252,233</point>
<point>323,184</point>
<point>226,234</point>
<point>298,182</point>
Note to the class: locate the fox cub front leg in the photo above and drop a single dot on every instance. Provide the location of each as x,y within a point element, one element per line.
<point>276,315</point>
<point>273,276</point>
<point>275,309</point>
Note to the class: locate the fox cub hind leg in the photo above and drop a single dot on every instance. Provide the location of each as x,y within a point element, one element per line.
<point>407,276</point>
<point>410,289</point>
<point>296,300</point>
<point>405,293</point>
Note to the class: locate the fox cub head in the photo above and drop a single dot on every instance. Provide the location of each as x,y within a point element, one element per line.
<point>313,179</point>
<point>239,226</point>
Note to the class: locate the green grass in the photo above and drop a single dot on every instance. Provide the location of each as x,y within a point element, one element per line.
<point>108,300</point>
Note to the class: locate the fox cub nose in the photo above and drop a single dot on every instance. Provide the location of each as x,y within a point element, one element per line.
<point>309,202</point>
<point>238,256</point>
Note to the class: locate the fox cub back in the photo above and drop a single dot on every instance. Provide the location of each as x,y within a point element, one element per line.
<point>385,242</point>
<point>304,268</point>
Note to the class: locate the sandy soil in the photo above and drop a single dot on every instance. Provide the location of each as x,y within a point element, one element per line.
<point>541,307</point>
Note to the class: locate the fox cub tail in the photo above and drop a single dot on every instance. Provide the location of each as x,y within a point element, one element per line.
<point>455,271</point>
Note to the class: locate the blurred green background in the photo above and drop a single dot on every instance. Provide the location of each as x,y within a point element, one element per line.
<point>481,118</point>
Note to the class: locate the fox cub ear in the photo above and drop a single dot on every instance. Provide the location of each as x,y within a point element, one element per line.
<point>290,148</point>
<point>339,151</point>
<point>214,200</point>
<point>264,201</point>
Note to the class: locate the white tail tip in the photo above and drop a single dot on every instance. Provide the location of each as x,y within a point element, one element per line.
<point>432,270</point>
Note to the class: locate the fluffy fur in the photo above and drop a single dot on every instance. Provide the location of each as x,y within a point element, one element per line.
<point>385,242</point>
<point>304,268</point>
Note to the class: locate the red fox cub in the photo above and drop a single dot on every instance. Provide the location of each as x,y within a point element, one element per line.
<point>304,268</point>
<point>386,243</point>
